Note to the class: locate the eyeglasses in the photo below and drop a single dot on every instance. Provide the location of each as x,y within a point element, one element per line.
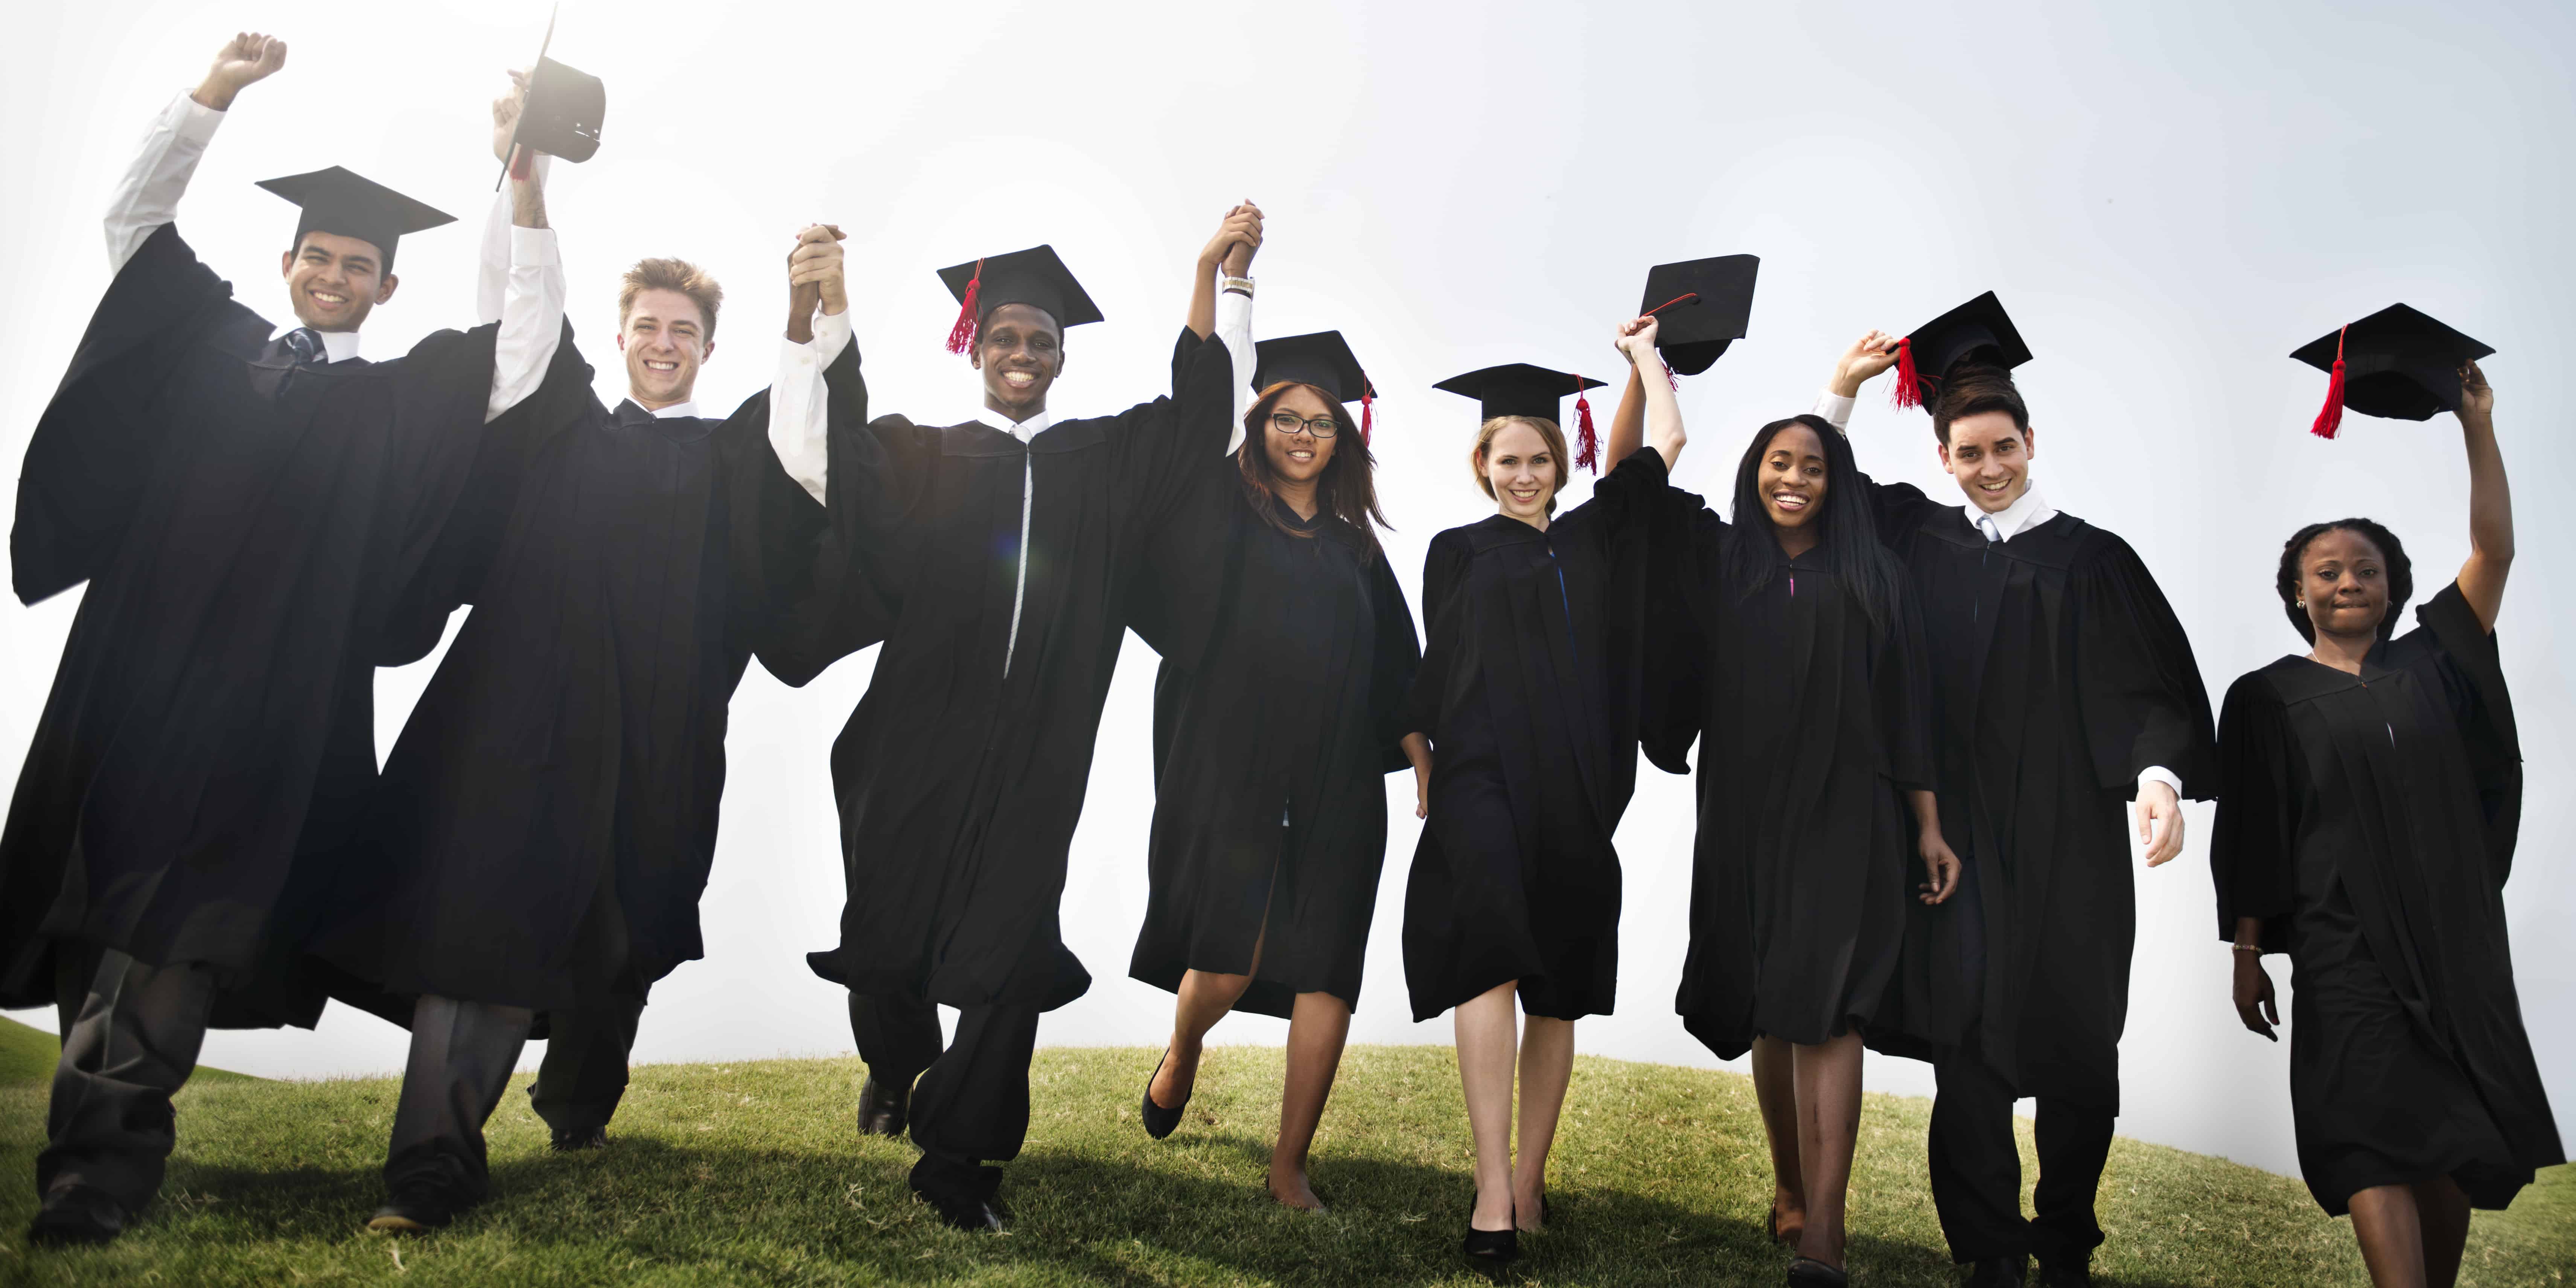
<point>1290,422</point>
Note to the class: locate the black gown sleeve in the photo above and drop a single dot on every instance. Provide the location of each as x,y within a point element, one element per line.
<point>1898,509</point>
<point>1444,581</point>
<point>1901,674</point>
<point>775,528</point>
<point>1164,446</point>
<point>2138,688</point>
<point>1685,545</point>
<point>1627,498</point>
<point>877,506</point>
<point>2252,848</point>
<point>2474,687</point>
<point>1394,659</point>
<point>82,475</point>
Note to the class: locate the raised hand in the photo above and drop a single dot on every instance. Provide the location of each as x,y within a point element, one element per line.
<point>505,114</point>
<point>1637,337</point>
<point>815,265</point>
<point>248,57</point>
<point>2477,397</point>
<point>1867,356</point>
<point>1235,241</point>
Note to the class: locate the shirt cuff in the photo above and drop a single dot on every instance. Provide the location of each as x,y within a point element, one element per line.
<point>533,248</point>
<point>194,121</point>
<point>2159,774</point>
<point>831,335</point>
<point>1836,408</point>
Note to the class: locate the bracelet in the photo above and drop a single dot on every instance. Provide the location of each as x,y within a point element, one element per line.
<point>2256,949</point>
<point>1238,285</point>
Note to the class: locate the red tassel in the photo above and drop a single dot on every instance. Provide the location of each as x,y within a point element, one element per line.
<point>2330,418</point>
<point>961,337</point>
<point>523,163</point>
<point>1672,381</point>
<point>1909,382</point>
<point>1368,414</point>
<point>1587,442</point>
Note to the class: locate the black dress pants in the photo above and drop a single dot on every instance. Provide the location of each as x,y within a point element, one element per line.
<point>970,1103</point>
<point>129,1048</point>
<point>461,1057</point>
<point>583,1076</point>
<point>1976,1167</point>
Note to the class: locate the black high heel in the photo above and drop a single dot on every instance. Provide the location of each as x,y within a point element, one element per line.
<point>1492,1249</point>
<point>1159,1121</point>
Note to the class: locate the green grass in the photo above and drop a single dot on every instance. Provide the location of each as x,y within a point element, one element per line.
<point>28,1055</point>
<point>750,1173</point>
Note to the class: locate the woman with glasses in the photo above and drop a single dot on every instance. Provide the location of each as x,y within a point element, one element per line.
<point>1528,701</point>
<point>1287,652</point>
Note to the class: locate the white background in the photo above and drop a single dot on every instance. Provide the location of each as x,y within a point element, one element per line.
<point>2169,198</point>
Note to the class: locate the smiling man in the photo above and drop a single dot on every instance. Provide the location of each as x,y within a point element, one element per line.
<point>2064,687</point>
<point>1002,546</point>
<point>245,512</point>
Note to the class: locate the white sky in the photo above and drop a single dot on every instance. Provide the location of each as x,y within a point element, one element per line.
<point>2168,197</point>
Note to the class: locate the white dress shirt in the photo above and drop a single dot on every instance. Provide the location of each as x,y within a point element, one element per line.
<point>147,197</point>
<point>2028,511</point>
<point>1234,327</point>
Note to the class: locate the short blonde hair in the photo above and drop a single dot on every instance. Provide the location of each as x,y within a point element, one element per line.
<point>671,275</point>
<point>1547,432</point>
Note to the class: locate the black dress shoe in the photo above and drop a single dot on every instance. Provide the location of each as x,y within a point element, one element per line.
<point>2070,1273</point>
<point>1998,1272</point>
<point>417,1213</point>
<point>1491,1250</point>
<point>1807,1272</point>
<point>1159,1121</point>
<point>74,1215</point>
<point>884,1108</point>
<point>962,1193</point>
<point>573,1142</point>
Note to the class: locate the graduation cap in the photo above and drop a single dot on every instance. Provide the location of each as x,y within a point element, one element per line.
<point>560,113</point>
<point>1519,389</point>
<point>352,205</point>
<point>1703,305</point>
<point>1322,359</point>
<point>1034,277</point>
<point>2396,363</point>
<point>1978,329</point>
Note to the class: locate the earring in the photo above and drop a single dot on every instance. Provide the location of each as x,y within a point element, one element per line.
<point>2303,603</point>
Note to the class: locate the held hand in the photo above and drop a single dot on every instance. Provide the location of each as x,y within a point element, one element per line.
<point>2159,823</point>
<point>1238,261</point>
<point>815,266</point>
<point>1867,356</point>
<point>2477,397</point>
<point>1940,868</point>
<point>1235,241</point>
<point>1417,749</point>
<point>247,58</point>
<point>2255,1004</point>
<point>505,114</point>
<point>1637,336</point>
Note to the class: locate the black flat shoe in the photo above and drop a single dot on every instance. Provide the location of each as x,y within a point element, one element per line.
<point>884,1109</point>
<point>1159,1121</point>
<point>1997,1272</point>
<point>76,1215</point>
<point>413,1214</point>
<point>962,1193</point>
<point>1807,1272</point>
<point>1491,1250</point>
<point>2065,1274</point>
<point>574,1142</point>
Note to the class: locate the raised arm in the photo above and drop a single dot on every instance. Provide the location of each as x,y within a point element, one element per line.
<point>1663,415</point>
<point>532,300</point>
<point>818,329</point>
<point>2490,501</point>
<point>1869,355</point>
<point>1230,250</point>
<point>148,196</point>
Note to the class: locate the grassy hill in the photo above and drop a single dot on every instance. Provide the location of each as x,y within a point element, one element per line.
<point>28,1055</point>
<point>750,1173</point>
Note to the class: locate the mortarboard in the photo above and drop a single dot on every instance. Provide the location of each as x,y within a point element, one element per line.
<point>1322,359</point>
<point>1519,389</point>
<point>1034,277</point>
<point>1978,329</point>
<point>351,205</point>
<point>560,113</point>
<point>1703,305</point>
<point>2396,363</point>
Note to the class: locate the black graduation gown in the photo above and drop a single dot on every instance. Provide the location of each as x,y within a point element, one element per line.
<point>546,822</point>
<point>1811,721</point>
<point>243,526</point>
<point>1529,691</point>
<point>1271,749</point>
<point>959,778</point>
<point>2370,820</point>
<point>2059,672</point>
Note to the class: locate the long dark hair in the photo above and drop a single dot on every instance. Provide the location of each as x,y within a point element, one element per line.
<point>1846,531</point>
<point>1346,490</point>
<point>2392,552</point>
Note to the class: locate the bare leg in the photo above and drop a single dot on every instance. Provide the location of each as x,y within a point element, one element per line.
<point>1828,1077</point>
<point>1316,1032</point>
<point>2442,1212</point>
<point>1205,998</point>
<point>2391,1234</point>
<point>1487,1027</point>
<point>1547,1065</point>
<point>1775,1088</point>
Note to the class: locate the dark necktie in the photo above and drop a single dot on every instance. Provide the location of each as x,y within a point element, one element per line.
<point>306,344</point>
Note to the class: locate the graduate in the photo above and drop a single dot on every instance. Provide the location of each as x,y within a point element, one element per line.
<point>1797,663</point>
<point>1525,712</point>
<point>2369,792</point>
<point>1001,547</point>
<point>2063,687</point>
<point>1273,736</point>
<point>244,510</point>
<point>547,820</point>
